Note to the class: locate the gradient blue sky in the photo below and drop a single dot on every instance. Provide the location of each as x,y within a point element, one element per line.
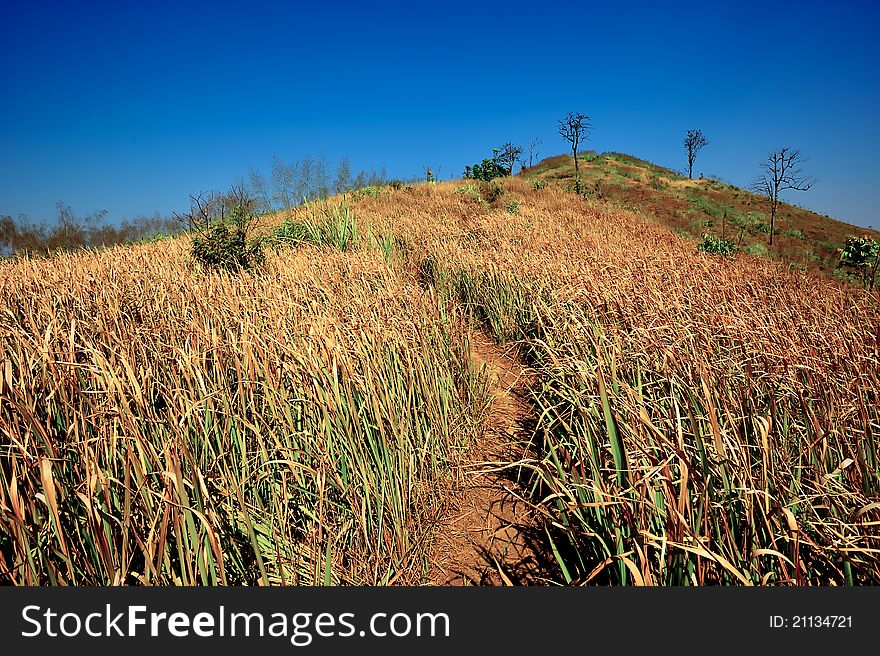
<point>130,109</point>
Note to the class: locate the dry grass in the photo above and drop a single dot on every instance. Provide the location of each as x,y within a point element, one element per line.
<point>697,420</point>
<point>161,426</point>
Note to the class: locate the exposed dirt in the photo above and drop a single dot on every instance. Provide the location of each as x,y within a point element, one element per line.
<point>489,535</point>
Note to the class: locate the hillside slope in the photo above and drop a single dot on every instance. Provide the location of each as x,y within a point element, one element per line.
<point>691,419</point>
<point>693,207</point>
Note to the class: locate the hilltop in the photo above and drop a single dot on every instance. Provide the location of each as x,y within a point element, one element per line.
<point>803,238</point>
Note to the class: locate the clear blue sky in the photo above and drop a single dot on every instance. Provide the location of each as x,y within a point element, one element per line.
<point>108,106</point>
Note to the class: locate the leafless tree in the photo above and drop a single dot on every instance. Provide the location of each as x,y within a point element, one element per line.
<point>693,143</point>
<point>259,188</point>
<point>509,156</point>
<point>204,209</point>
<point>306,182</point>
<point>534,145</point>
<point>321,184</point>
<point>575,129</point>
<point>783,170</point>
<point>283,180</point>
<point>343,180</point>
<point>240,206</point>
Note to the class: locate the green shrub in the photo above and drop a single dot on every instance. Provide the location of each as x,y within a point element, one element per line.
<point>709,206</point>
<point>226,248</point>
<point>538,184</point>
<point>699,224</point>
<point>795,233</point>
<point>624,173</point>
<point>859,251</point>
<point>488,170</point>
<point>716,245</point>
<point>370,191</point>
<point>847,276</point>
<point>513,206</point>
<point>222,242</point>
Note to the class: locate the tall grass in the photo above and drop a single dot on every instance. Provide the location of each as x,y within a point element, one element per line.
<point>163,427</point>
<point>322,223</point>
<point>697,421</point>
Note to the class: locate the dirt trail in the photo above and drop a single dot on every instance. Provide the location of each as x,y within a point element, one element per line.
<point>488,535</point>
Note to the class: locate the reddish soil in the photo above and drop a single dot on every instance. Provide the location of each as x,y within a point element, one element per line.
<point>488,534</point>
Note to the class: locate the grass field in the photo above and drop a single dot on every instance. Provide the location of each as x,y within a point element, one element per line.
<point>694,419</point>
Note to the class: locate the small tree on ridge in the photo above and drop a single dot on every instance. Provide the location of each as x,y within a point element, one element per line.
<point>782,171</point>
<point>693,143</point>
<point>509,156</point>
<point>575,129</point>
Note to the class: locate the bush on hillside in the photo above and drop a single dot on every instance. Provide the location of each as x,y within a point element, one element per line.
<point>716,245</point>
<point>223,245</point>
<point>862,254</point>
<point>859,251</point>
<point>488,170</point>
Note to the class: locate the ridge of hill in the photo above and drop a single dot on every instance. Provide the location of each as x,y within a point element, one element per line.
<point>803,238</point>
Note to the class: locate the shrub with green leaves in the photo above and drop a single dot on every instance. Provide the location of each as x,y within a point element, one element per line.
<point>859,251</point>
<point>489,169</point>
<point>716,245</point>
<point>472,192</point>
<point>222,225</point>
<point>862,254</point>
<point>226,248</point>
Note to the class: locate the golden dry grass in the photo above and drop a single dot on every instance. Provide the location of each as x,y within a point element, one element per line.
<point>697,419</point>
<point>161,426</point>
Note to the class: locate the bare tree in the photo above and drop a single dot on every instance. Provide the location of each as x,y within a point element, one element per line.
<point>306,183</point>
<point>283,176</point>
<point>204,209</point>
<point>343,180</point>
<point>509,156</point>
<point>575,129</point>
<point>360,180</point>
<point>534,145</point>
<point>241,205</point>
<point>693,143</point>
<point>783,170</point>
<point>322,186</point>
<point>259,188</point>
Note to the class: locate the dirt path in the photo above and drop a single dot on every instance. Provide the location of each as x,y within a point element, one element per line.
<point>488,535</point>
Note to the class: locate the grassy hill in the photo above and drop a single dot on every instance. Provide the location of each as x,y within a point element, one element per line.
<point>680,418</point>
<point>803,238</point>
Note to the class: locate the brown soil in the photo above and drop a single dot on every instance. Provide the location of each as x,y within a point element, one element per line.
<point>489,534</point>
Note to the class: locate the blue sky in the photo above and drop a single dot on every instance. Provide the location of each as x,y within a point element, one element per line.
<point>131,109</point>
